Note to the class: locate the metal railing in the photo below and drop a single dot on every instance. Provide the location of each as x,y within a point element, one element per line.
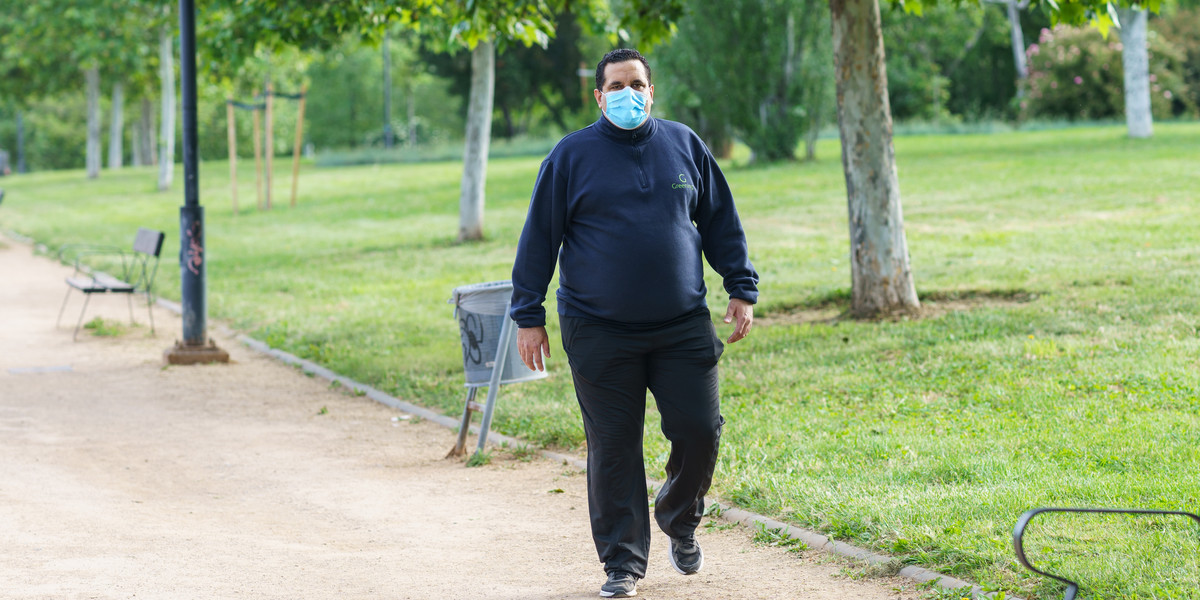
<point>1072,587</point>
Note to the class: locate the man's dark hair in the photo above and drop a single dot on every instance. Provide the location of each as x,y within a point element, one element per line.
<point>619,55</point>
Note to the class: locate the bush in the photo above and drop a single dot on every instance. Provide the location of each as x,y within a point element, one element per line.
<point>1181,30</point>
<point>1074,73</point>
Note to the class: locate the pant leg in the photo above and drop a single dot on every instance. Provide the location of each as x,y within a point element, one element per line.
<point>682,375</point>
<point>609,371</point>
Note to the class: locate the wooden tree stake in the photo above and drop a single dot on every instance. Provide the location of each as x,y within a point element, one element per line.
<point>229,116</point>
<point>299,138</point>
<point>258,186</point>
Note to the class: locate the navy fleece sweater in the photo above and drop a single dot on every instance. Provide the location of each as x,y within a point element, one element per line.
<point>627,213</point>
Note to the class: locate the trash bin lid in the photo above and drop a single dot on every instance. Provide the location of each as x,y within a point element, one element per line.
<point>489,298</point>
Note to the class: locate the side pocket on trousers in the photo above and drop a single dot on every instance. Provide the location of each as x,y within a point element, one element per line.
<point>718,345</point>
<point>576,343</point>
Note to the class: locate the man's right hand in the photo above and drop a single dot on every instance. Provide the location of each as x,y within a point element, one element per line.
<point>533,344</point>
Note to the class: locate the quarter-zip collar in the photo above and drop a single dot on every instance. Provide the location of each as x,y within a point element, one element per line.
<point>633,136</point>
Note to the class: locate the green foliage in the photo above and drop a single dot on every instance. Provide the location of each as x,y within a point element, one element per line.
<point>345,102</point>
<point>1181,29</point>
<point>779,538</point>
<point>952,63</point>
<point>537,90</point>
<point>105,328</point>
<point>480,458</point>
<point>769,82</point>
<point>1075,73</point>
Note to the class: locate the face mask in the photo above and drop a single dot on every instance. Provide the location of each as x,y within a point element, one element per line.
<point>626,108</point>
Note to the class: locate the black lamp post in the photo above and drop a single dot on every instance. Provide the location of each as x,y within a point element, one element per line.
<point>195,347</point>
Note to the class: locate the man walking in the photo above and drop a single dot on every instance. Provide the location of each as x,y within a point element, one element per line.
<point>626,206</point>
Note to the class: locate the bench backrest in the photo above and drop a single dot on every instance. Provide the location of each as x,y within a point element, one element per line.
<point>148,241</point>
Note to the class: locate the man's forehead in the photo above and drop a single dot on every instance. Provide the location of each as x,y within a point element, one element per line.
<point>624,72</point>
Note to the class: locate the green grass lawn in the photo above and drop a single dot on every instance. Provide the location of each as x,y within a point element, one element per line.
<point>1059,363</point>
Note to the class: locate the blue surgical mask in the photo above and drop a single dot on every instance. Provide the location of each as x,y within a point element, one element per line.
<point>626,108</point>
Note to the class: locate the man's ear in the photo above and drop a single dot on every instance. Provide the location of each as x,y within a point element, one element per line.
<point>599,98</point>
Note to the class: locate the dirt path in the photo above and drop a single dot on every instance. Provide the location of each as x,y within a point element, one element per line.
<point>121,478</point>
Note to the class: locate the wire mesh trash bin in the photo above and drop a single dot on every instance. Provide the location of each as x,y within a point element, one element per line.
<point>489,345</point>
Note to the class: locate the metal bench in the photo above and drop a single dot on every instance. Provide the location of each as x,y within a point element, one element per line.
<point>137,271</point>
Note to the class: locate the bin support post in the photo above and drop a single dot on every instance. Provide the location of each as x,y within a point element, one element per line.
<point>460,446</point>
<point>506,333</point>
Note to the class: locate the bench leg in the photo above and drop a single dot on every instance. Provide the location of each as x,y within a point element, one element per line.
<point>131,321</point>
<point>64,307</point>
<point>150,310</point>
<point>75,336</point>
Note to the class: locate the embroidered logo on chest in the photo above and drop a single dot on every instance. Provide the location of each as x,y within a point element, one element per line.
<point>683,183</point>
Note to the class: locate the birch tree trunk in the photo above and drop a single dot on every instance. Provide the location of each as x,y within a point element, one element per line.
<point>135,145</point>
<point>388,134</point>
<point>479,133</point>
<point>1136,61</point>
<point>21,168</point>
<point>166,154</point>
<point>879,262</point>
<point>92,77</point>
<point>116,130</point>
<point>1018,45</point>
<point>412,117</point>
<point>145,133</point>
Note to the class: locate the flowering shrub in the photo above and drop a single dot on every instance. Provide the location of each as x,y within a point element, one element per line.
<point>1075,73</point>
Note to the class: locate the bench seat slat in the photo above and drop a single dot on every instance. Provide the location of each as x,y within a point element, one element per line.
<point>99,284</point>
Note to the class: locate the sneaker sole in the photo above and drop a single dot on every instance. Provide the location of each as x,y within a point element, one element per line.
<point>674,565</point>
<point>615,595</point>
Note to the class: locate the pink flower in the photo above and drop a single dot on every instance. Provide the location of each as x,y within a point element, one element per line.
<point>1045,35</point>
<point>1054,84</point>
<point>1153,77</point>
<point>1167,94</point>
<point>1078,80</point>
<point>1119,47</point>
<point>1033,50</point>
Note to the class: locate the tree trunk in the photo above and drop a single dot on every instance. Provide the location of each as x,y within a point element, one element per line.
<point>412,117</point>
<point>144,134</point>
<point>116,131</point>
<point>1018,46</point>
<point>879,261</point>
<point>1136,62</point>
<point>479,132</point>
<point>21,168</point>
<point>166,153</point>
<point>389,136</point>
<point>92,76</point>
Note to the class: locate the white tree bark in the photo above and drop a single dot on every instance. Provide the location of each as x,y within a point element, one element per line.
<point>92,77</point>
<point>116,131</point>
<point>1018,45</point>
<point>166,154</point>
<point>479,133</point>
<point>1136,61</point>
<point>412,117</point>
<point>143,134</point>
<point>879,262</point>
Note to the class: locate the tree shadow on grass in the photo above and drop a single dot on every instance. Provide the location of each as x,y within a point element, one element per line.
<point>834,307</point>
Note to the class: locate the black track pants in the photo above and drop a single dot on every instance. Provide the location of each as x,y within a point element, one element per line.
<point>613,366</point>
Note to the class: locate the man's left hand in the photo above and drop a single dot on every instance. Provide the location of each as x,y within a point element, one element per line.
<point>742,313</point>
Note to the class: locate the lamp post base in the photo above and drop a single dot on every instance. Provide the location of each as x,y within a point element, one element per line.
<point>185,354</point>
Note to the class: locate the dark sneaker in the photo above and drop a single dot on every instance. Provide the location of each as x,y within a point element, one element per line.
<point>686,556</point>
<point>620,584</point>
